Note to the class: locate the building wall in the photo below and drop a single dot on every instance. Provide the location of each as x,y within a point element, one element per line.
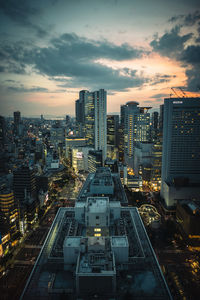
<point>181,141</point>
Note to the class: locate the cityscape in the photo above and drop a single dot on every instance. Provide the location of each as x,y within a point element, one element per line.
<point>99,150</point>
<point>102,206</point>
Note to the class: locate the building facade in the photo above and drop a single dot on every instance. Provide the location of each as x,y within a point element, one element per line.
<point>181,144</point>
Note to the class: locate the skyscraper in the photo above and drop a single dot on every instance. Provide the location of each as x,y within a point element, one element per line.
<point>181,150</point>
<point>91,110</point>
<point>136,128</point>
<point>100,109</point>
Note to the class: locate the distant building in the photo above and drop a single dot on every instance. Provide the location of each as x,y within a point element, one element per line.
<point>57,135</point>
<point>17,121</point>
<point>2,132</point>
<point>97,249</point>
<point>155,126</point>
<point>67,119</point>
<point>180,155</point>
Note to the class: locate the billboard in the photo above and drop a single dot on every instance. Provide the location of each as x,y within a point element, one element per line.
<point>79,155</point>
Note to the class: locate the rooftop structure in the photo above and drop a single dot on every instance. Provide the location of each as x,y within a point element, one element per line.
<point>103,182</point>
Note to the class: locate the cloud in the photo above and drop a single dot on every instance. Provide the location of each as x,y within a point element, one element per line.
<point>184,48</point>
<point>193,80</point>
<point>75,60</point>
<point>171,44</point>
<point>161,78</point>
<point>21,12</point>
<point>186,20</point>
<point>22,89</point>
<point>159,96</point>
<point>72,44</point>
<point>191,54</point>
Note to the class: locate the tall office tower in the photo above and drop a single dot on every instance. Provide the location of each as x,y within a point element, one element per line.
<point>24,186</point>
<point>181,144</point>
<point>131,111</point>
<point>100,112</point>
<point>2,132</point>
<point>136,128</point>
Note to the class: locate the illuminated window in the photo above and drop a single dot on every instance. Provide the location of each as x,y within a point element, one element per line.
<point>97,234</point>
<point>97,229</point>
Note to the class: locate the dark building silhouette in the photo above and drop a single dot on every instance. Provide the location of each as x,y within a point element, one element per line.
<point>2,132</point>
<point>24,186</point>
<point>17,121</point>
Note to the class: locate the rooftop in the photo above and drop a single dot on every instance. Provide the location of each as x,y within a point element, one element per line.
<point>140,276</point>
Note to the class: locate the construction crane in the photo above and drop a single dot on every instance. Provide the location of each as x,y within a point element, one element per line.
<point>184,94</point>
<point>175,93</point>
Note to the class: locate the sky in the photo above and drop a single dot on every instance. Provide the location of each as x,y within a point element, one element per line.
<point>134,49</point>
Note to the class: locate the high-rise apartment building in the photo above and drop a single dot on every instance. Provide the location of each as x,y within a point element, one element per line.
<point>181,150</point>
<point>91,111</point>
